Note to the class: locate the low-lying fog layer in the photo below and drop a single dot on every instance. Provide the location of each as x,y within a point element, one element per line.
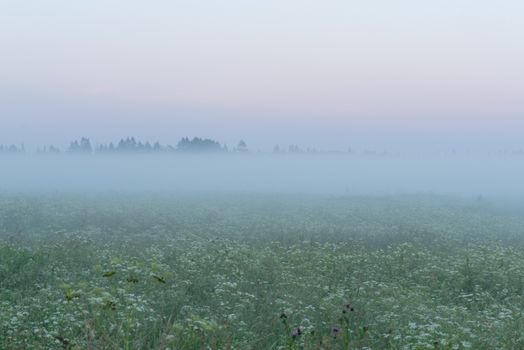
<point>327,174</point>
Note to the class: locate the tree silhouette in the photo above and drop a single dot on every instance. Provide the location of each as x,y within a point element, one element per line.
<point>242,147</point>
<point>295,149</point>
<point>81,147</point>
<point>49,150</point>
<point>12,149</point>
<point>198,145</point>
<point>130,145</point>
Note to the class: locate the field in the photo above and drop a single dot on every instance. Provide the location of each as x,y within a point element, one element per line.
<point>260,272</point>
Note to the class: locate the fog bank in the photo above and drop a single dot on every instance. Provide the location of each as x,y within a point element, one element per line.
<point>326,174</point>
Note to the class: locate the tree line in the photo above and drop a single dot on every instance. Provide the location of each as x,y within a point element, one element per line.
<point>13,149</point>
<point>131,145</point>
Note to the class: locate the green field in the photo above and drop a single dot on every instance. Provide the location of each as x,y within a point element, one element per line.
<point>260,272</point>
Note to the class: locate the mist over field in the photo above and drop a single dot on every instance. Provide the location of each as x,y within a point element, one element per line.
<point>266,173</point>
<point>230,250</point>
<point>261,175</point>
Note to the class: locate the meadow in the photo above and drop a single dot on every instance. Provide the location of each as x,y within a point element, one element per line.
<point>254,271</point>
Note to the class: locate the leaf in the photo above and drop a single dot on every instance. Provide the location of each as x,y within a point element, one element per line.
<point>70,295</point>
<point>159,279</point>
<point>110,305</point>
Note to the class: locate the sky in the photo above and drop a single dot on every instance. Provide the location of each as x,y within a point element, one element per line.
<point>328,74</point>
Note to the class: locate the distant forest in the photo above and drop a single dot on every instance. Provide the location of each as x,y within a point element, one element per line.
<point>130,145</point>
<point>196,145</point>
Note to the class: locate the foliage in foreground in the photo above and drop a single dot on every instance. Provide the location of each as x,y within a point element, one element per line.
<point>260,272</point>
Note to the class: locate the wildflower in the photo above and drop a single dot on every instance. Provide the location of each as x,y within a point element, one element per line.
<point>296,332</point>
<point>348,307</point>
<point>66,343</point>
<point>335,330</point>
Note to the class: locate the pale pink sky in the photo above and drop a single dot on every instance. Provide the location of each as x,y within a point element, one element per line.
<point>321,73</point>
